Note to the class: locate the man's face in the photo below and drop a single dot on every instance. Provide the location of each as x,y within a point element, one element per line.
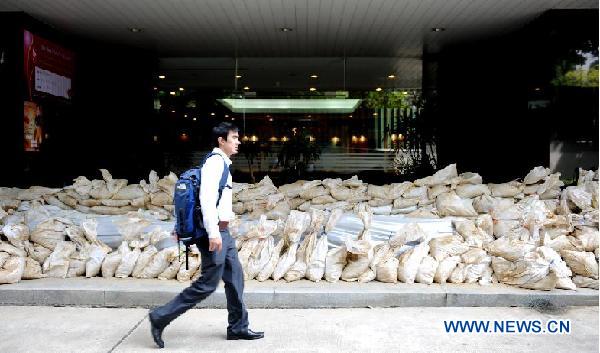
<point>230,147</point>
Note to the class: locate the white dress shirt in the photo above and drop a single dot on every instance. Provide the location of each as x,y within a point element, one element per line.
<point>209,192</point>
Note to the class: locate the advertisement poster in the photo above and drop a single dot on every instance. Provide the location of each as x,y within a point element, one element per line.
<point>48,70</point>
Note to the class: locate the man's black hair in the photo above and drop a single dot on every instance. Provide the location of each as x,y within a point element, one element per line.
<point>222,130</point>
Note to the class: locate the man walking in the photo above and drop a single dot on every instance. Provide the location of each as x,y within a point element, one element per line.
<point>218,250</point>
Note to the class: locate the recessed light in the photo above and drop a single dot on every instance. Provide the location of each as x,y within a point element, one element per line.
<point>405,92</point>
<point>270,119</point>
<point>314,76</point>
<point>232,119</point>
<point>349,116</point>
<point>155,88</point>
<point>213,114</point>
<point>227,116</point>
<point>185,115</point>
<point>162,77</point>
<point>438,29</point>
<point>172,111</point>
<point>286,29</point>
<point>246,88</point>
<point>238,76</point>
<point>194,119</point>
<point>135,29</point>
<point>378,89</point>
<point>312,89</point>
<point>375,114</point>
<point>538,89</point>
<point>391,76</point>
<point>172,93</point>
<point>181,89</point>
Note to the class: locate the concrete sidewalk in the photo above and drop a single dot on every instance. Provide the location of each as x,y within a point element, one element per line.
<point>82,330</point>
<point>130,293</point>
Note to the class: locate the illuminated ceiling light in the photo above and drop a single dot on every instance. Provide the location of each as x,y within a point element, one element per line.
<point>391,76</point>
<point>254,138</point>
<point>394,137</point>
<point>232,119</point>
<point>349,116</point>
<point>335,139</point>
<point>362,138</point>
<point>194,119</point>
<point>185,115</point>
<point>155,88</point>
<point>286,29</point>
<point>309,116</point>
<point>238,76</point>
<point>273,139</point>
<point>538,89</point>
<point>312,89</point>
<point>172,111</point>
<point>135,29</point>
<point>270,119</point>
<point>172,93</point>
<point>438,29</point>
<point>284,139</point>
<point>375,114</point>
<point>314,76</point>
<point>181,89</point>
<point>283,105</point>
<point>246,88</point>
<point>212,114</point>
<point>226,115</point>
<point>404,92</point>
<point>245,138</point>
<point>354,138</point>
<point>400,137</point>
<point>162,77</point>
<point>378,89</point>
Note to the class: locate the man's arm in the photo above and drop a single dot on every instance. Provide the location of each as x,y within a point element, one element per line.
<point>209,193</point>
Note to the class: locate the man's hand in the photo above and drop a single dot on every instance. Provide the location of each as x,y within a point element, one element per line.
<point>215,244</point>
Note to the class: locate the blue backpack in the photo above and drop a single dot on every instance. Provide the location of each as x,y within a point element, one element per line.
<point>188,214</point>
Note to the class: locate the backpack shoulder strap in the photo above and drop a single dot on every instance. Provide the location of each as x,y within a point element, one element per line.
<point>224,175</point>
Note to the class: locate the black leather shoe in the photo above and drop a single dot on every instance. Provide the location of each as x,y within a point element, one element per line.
<point>249,335</point>
<point>156,333</point>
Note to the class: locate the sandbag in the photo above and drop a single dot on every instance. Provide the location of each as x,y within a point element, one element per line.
<point>334,263</point>
<point>510,189</point>
<point>295,226</point>
<point>402,203</point>
<point>11,249</point>
<point>171,271</point>
<point>535,175</point>
<point>57,264</point>
<point>449,204</point>
<point>285,261</point>
<point>111,261</point>
<point>76,268</point>
<point>436,190</point>
<point>259,258</point>
<point>268,269</point>
<point>470,178</point>
<point>585,282</point>
<point>442,176</point>
<point>387,270</point>
<point>458,274</point>
<point>48,233</point>
<point>159,262</point>
<point>131,227</point>
<point>16,234</point>
<point>143,260</point>
<point>333,219</point>
<point>509,249</point>
<point>193,266</point>
<point>129,192</point>
<point>581,263</point>
<point>38,252</point>
<point>426,270</point>
<point>448,246</point>
<point>410,261</point>
<point>469,191</point>
<point>588,236</point>
<point>316,265</point>
<point>12,270</point>
<point>33,269</point>
<point>128,261</point>
<point>445,268</point>
<point>417,192</point>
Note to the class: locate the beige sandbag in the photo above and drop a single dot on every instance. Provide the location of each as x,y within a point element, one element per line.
<point>341,193</point>
<point>445,268</point>
<point>396,190</point>
<point>504,228</point>
<point>510,249</point>
<point>256,193</point>
<point>66,199</point>
<point>472,235</point>
<point>33,269</point>
<point>57,264</point>
<point>380,202</point>
<point>448,246</point>
<point>333,219</point>
<point>99,190</point>
<point>316,265</point>
<point>52,200</point>
<point>159,262</point>
<point>259,258</point>
<point>34,193</point>
<point>335,262</point>
<point>405,203</point>
<point>536,174</point>
<point>427,270</point>
<point>585,282</point>
<point>82,185</point>
<point>295,203</point>
<point>128,261</point>
<point>194,263</point>
<point>90,202</point>
<point>76,268</point>
<point>353,182</point>
<point>442,176</point>
<point>485,223</point>
<point>161,199</point>
<point>387,270</point>
<point>588,236</point>
<point>458,274</point>
<point>16,234</point>
<point>11,249</point>
<point>111,261</point>
<point>581,263</point>
<point>38,253</point>
<point>449,204</point>
<point>167,184</point>
<point>269,267</point>
<point>285,261</point>
<point>12,270</point>
<point>298,269</point>
<point>129,192</point>
<point>74,194</point>
<point>410,261</point>
<point>295,226</point>
<point>114,203</point>
<point>314,192</point>
<point>131,227</point>
<point>292,190</point>
<point>469,191</point>
<point>3,257</point>
<point>171,271</point>
<point>436,190</point>
<point>510,189</point>
<point>143,260</point>
<point>341,205</point>
<point>280,211</point>
<point>379,192</point>
<point>470,178</point>
<point>558,267</point>
<point>417,192</point>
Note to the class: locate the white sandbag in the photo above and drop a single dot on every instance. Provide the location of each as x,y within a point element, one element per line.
<point>111,261</point>
<point>472,235</point>
<point>280,211</point>
<point>57,264</point>
<point>380,202</point>
<point>129,192</point>
<point>38,252</point>
<point>249,247</point>
<point>11,249</point>
<point>509,249</point>
<point>331,183</point>
<point>367,276</point>
<point>485,223</point>
<point>588,236</point>
<point>510,189</point>
<point>581,263</point>
<point>528,271</point>
<point>417,192</point>
<point>403,203</point>
<point>387,270</point>
<point>12,270</point>
<point>259,258</point>
<point>159,262</point>
<point>410,261</point>
<point>316,265</point>
<point>469,191</point>
<point>298,269</point>
<point>285,262</point>
<point>458,274</point>
<point>585,282</point>
<point>33,269</point>
<point>76,268</point>
<point>193,265</point>
<point>317,221</point>
<point>449,204</point>
<point>171,271</point>
<point>143,260</point>
<point>3,257</point>
<point>445,268</point>
<point>356,266</point>
<point>379,192</point>
<point>558,267</point>
<point>470,178</point>
<point>448,246</point>
<point>436,190</point>
<point>353,182</point>
<point>536,174</point>
<point>427,270</point>
<point>396,190</point>
<point>473,272</point>
<point>442,176</point>
<point>94,263</point>
<point>504,228</point>
<point>560,243</point>
<point>475,256</point>
<point>295,225</point>
<point>16,234</point>
<point>128,261</point>
<point>333,219</point>
<point>268,269</point>
<point>334,263</point>
<point>49,233</point>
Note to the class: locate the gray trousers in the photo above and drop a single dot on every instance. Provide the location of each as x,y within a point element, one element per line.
<point>225,265</point>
